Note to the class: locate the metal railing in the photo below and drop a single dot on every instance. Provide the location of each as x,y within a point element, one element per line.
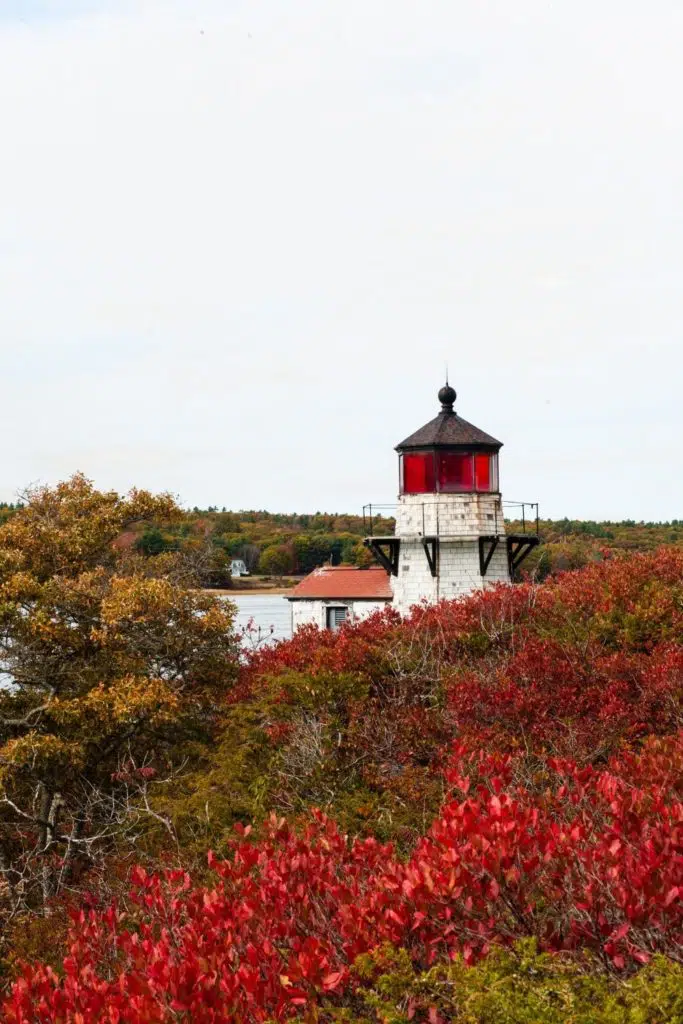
<point>372,512</point>
<point>522,506</point>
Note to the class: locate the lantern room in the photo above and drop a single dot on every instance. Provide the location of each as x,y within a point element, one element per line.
<point>448,455</point>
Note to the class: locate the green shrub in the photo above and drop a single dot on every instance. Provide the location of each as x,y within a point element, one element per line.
<point>515,986</point>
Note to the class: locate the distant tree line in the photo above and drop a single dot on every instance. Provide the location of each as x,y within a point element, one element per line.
<point>573,543</point>
<point>280,544</point>
<point>271,544</point>
<point>293,544</point>
<point>8,510</point>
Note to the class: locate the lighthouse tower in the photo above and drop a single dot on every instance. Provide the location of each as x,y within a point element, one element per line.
<point>450,534</point>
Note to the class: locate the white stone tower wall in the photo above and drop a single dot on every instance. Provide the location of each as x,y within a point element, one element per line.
<point>414,582</point>
<point>449,515</point>
<point>458,521</point>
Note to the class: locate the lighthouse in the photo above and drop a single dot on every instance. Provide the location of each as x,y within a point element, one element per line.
<point>450,536</point>
<point>449,539</point>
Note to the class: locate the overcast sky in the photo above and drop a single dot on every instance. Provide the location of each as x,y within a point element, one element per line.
<point>239,241</point>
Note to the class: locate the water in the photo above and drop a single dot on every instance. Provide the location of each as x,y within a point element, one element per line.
<point>266,611</point>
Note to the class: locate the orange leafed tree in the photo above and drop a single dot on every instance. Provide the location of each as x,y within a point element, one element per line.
<point>108,663</point>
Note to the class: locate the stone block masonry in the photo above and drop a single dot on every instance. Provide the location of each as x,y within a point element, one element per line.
<point>450,515</point>
<point>458,521</point>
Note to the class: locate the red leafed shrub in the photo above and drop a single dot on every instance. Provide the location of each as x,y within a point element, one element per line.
<point>576,857</point>
<point>551,717</point>
<point>263,942</point>
<point>550,695</point>
<point>356,648</point>
<point>629,603</point>
<point>575,665</point>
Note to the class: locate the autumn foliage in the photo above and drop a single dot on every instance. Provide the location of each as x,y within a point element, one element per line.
<point>593,860</point>
<point>490,772</point>
<point>105,665</point>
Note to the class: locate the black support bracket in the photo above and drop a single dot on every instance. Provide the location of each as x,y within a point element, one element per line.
<point>431,546</point>
<point>487,546</point>
<point>519,545</point>
<point>386,551</point>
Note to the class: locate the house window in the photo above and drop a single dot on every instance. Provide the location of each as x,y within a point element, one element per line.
<point>336,615</point>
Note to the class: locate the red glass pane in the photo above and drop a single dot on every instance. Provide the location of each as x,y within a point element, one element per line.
<point>482,472</point>
<point>455,471</point>
<point>418,473</point>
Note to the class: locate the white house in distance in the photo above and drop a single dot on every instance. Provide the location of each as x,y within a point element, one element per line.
<point>450,536</point>
<point>238,567</point>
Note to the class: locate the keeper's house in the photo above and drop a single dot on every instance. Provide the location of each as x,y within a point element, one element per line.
<point>334,594</point>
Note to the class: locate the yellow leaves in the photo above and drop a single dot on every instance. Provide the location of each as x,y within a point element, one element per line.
<point>50,613</point>
<point>106,656</point>
<point>219,615</point>
<point>146,602</point>
<point>143,505</point>
<point>122,702</point>
<point>137,598</point>
<point>71,527</point>
<point>38,752</point>
<point>19,587</point>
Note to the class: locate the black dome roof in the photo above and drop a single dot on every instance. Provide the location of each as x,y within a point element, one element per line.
<point>448,430</point>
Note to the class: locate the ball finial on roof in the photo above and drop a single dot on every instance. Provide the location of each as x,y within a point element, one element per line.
<point>447,397</point>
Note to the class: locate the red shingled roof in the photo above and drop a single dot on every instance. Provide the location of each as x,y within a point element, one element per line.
<point>342,581</point>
